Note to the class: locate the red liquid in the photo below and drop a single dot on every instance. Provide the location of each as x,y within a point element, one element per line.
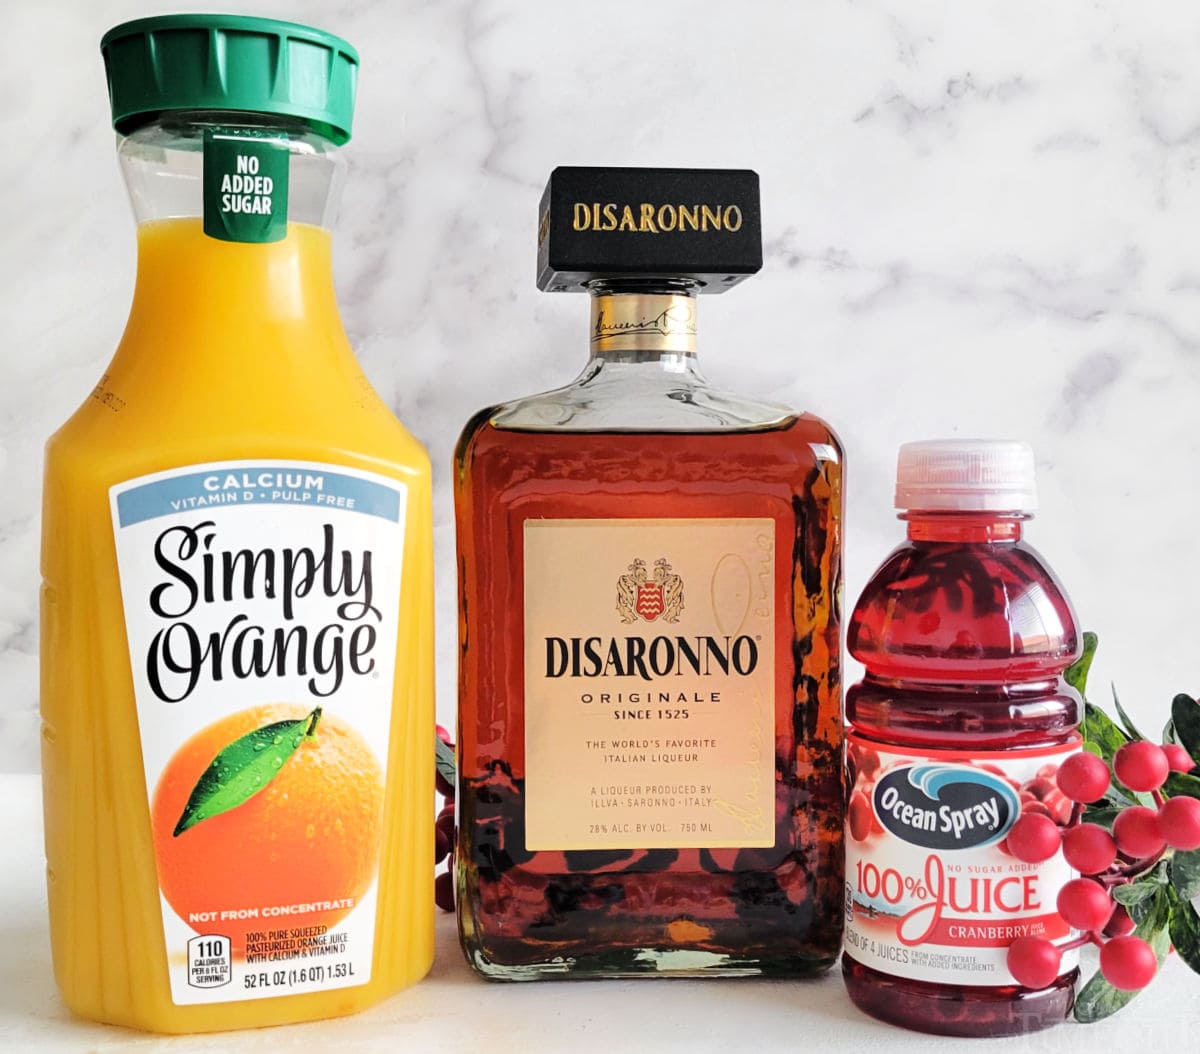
<point>965,634</point>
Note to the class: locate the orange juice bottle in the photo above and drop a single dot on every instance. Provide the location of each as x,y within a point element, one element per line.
<point>237,683</point>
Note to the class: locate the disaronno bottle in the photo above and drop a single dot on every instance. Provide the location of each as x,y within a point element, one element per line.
<point>650,725</point>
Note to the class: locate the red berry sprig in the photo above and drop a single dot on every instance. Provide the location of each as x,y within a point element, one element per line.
<point>443,831</point>
<point>1134,835</point>
<point>1140,836</point>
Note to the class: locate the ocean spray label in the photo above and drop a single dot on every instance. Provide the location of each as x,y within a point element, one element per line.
<point>245,185</point>
<point>932,894</point>
<point>261,603</point>
<point>650,683</point>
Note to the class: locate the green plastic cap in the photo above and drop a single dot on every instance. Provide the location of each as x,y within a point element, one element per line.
<point>229,62</point>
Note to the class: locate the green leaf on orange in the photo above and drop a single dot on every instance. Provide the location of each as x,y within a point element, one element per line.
<point>244,768</point>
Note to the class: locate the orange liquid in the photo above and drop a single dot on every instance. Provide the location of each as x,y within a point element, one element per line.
<point>770,910</point>
<point>231,351</point>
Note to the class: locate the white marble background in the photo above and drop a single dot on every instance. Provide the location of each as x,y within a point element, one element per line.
<point>979,218</point>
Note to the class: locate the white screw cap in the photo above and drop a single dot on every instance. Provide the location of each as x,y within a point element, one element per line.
<point>966,475</point>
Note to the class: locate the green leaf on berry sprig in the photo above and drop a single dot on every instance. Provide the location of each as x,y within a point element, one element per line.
<point>1156,872</point>
<point>1134,894</point>
<point>1169,734</point>
<point>1184,929</point>
<point>1185,719</point>
<point>1151,883</point>
<point>1181,783</point>
<point>1185,874</point>
<point>1130,728</point>
<point>1100,734</point>
<point>1103,737</point>
<point>1103,813</point>
<point>1099,999</point>
<point>443,759</point>
<point>1076,674</point>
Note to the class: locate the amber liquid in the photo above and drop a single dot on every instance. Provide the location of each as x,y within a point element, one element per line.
<point>965,634</point>
<point>526,914</point>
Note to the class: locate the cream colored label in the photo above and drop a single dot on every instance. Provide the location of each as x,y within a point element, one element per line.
<point>649,683</point>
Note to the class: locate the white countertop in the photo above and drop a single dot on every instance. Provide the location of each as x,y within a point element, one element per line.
<point>454,1011</point>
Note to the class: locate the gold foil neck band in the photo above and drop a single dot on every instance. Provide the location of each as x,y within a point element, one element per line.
<point>644,322</point>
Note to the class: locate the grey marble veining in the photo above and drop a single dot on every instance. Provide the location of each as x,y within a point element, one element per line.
<point>979,219</point>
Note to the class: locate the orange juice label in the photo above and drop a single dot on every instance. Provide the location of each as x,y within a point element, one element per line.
<point>932,893</point>
<point>261,605</point>
<point>649,683</point>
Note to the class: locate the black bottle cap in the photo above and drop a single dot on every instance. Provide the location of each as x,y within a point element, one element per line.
<point>702,224</point>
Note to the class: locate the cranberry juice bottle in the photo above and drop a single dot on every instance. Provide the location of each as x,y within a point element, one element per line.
<point>957,728</point>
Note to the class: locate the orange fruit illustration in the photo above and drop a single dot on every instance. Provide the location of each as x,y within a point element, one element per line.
<point>310,835</point>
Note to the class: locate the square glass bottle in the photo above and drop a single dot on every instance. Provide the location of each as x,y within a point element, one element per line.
<point>650,726</point>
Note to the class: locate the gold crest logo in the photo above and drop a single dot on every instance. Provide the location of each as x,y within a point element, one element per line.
<point>641,596</point>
